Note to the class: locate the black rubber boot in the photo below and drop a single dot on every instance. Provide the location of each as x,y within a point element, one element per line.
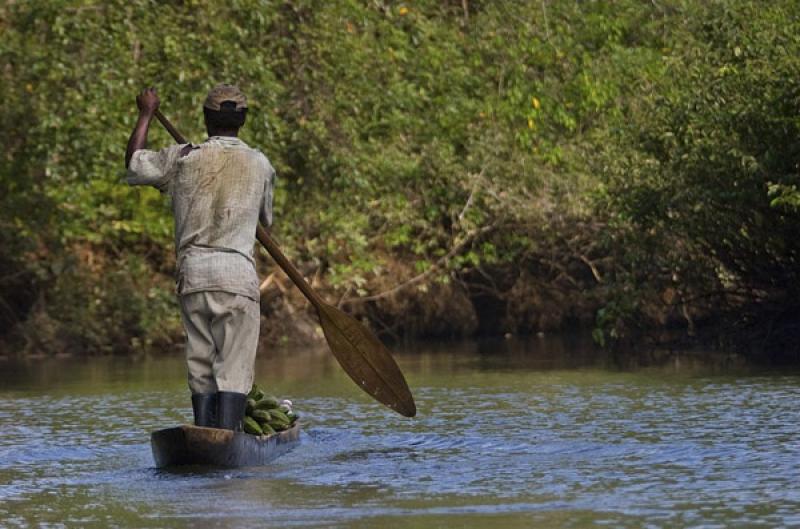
<point>230,410</point>
<point>204,406</point>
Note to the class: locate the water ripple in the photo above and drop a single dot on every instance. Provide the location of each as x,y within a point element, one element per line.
<point>578,448</point>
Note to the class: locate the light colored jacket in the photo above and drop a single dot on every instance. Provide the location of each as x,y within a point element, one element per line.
<point>220,190</point>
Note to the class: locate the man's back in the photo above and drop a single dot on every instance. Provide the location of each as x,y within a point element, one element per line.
<point>220,190</point>
<point>218,196</point>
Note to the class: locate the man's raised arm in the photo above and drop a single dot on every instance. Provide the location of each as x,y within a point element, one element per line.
<point>147,102</point>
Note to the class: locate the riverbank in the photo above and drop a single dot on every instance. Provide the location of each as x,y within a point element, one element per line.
<point>98,309</point>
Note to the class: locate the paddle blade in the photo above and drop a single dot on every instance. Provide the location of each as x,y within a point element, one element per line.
<point>366,360</point>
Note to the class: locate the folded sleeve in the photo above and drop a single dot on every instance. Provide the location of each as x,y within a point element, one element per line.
<point>153,168</point>
<point>265,215</point>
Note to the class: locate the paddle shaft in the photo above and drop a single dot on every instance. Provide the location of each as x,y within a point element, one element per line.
<point>172,130</point>
<point>297,278</point>
<point>261,234</point>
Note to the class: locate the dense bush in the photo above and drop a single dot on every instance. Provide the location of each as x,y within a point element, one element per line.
<point>532,163</point>
<point>706,169</point>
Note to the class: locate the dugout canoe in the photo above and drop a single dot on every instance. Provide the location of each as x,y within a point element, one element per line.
<point>195,445</point>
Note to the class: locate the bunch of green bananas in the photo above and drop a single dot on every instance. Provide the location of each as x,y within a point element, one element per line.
<point>266,415</point>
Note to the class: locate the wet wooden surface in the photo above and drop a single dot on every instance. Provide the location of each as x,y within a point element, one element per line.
<point>195,445</point>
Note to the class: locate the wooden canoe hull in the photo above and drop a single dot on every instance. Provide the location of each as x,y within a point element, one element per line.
<point>195,445</point>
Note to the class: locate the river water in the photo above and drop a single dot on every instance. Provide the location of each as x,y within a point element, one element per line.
<point>540,433</point>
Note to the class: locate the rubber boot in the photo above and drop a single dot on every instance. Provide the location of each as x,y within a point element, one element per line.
<point>230,410</point>
<point>204,406</point>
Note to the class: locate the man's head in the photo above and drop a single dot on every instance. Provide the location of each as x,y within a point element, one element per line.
<point>225,110</point>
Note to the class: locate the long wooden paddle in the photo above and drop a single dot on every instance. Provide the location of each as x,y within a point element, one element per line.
<point>362,355</point>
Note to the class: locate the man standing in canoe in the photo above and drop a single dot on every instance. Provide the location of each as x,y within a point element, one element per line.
<point>220,190</point>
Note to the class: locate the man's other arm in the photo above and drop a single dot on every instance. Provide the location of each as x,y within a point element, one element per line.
<point>265,214</point>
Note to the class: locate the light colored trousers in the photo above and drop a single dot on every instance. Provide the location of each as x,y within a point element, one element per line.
<point>221,340</point>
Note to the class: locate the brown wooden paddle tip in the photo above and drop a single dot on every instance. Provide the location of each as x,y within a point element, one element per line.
<point>362,356</point>
<point>366,360</point>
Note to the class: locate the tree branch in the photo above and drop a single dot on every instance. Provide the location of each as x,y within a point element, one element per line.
<point>427,273</point>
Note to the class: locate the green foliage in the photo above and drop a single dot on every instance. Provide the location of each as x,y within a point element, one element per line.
<point>457,138</point>
<point>120,308</point>
<point>705,165</point>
